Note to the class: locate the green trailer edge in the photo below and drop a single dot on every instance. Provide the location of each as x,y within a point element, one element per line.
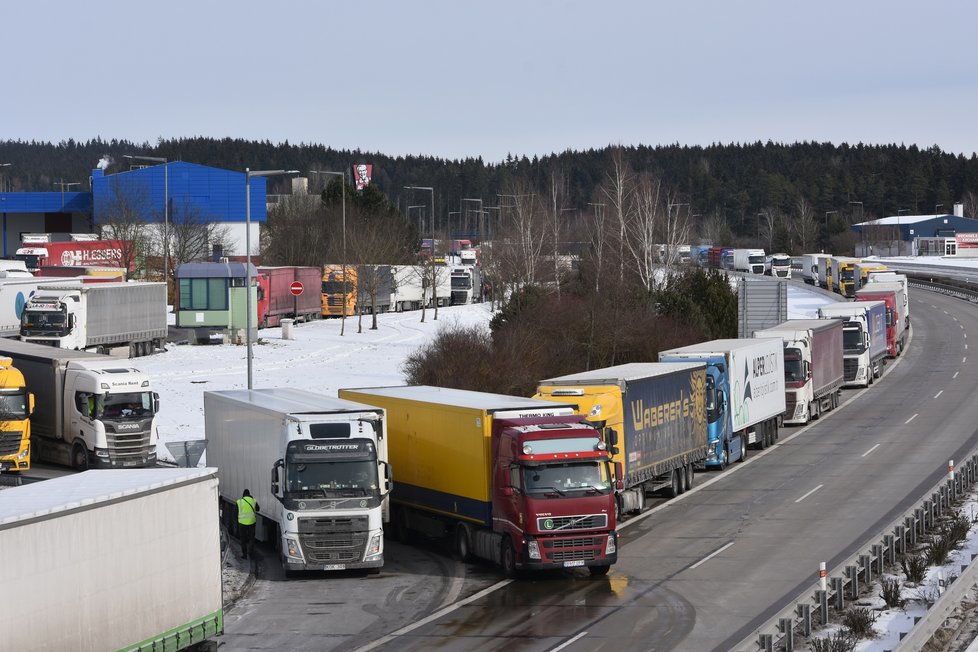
<point>183,636</point>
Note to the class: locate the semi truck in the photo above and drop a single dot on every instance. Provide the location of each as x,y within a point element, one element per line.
<point>865,269</point>
<point>38,250</point>
<point>813,368</point>
<point>893,277</point>
<point>844,275</point>
<point>112,560</point>
<point>863,339</point>
<point>16,405</point>
<point>519,482</point>
<point>466,285</point>
<point>91,410</point>
<point>15,292</point>
<point>276,300</point>
<point>825,267</point>
<point>810,267</point>
<point>98,317</point>
<point>778,266</point>
<point>655,416</point>
<point>745,400</point>
<point>895,298</point>
<point>317,466</point>
<point>749,260</point>
<point>339,290</point>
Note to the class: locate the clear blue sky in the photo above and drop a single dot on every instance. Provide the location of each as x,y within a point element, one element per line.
<point>466,78</point>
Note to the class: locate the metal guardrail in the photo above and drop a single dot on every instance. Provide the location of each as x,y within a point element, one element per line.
<point>843,584</point>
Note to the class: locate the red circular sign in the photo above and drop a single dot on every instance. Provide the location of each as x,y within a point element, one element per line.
<point>296,288</point>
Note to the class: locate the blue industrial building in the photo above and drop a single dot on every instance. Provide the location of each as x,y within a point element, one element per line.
<point>897,234</point>
<point>189,190</point>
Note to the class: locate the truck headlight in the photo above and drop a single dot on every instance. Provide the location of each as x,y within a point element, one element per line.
<point>612,547</point>
<point>533,549</point>
<point>375,547</point>
<point>101,452</point>
<point>292,548</point>
<point>24,453</point>
<point>799,410</point>
<point>861,373</point>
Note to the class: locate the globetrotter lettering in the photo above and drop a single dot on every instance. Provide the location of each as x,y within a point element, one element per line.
<point>332,447</point>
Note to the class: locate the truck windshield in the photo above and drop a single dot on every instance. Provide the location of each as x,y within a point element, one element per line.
<point>36,322</point>
<point>130,405</point>
<point>461,283</point>
<point>335,479</point>
<point>336,287</point>
<point>794,367</point>
<point>13,404</point>
<point>852,340</point>
<point>781,262</point>
<point>566,477</point>
<point>846,274</point>
<point>756,260</point>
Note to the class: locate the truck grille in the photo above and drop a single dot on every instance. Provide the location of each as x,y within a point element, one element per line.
<point>849,367</point>
<point>585,548</point>
<point>790,400</point>
<point>128,445</point>
<point>336,301</point>
<point>570,523</point>
<point>333,540</point>
<point>10,442</point>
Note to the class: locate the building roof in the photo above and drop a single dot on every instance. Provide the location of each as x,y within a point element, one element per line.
<point>214,270</point>
<point>899,220</point>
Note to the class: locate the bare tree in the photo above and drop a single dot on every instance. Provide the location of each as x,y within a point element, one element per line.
<point>524,228</point>
<point>805,225</point>
<point>558,192</point>
<point>597,234</point>
<point>124,218</point>
<point>642,228</point>
<point>676,229</point>
<point>768,221</point>
<point>191,236</point>
<point>970,204</point>
<point>301,230</point>
<point>617,190</point>
<point>716,229</point>
<point>375,242</point>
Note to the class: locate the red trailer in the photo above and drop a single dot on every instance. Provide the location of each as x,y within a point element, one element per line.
<point>278,297</point>
<point>714,256</point>
<point>71,254</point>
<point>894,296</point>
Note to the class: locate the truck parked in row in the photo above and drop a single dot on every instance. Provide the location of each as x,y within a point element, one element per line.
<point>654,414</point>
<point>316,465</point>
<point>276,300</point>
<point>39,250</point>
<point>865,269</point>
<point>895,298</point>
<point>893,277</point>
<point>16,406</point>
<point>813,366</point>
<point>466,285</point>
<point>745,397</point>
<point>520,482</point>
<point>91,410</point>
<point>810,265</point>
<point>778,266</point>
<point>844,275</point>
<point>749,260</point>
<point>98,317</point>
<point>339,290</point>
<point>863,339</point>
<point>15,292</point>
<point>825,267</point>
<point>112,560</point>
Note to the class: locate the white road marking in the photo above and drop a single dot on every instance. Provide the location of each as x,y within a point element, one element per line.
<point>568,642</point>
<point>870,450</point>
<point>955,375</point>
<point>964,359</point>
<point>910,419</point>
<point>710,556</point>
<point>938,393</point>
<point>815,489</point>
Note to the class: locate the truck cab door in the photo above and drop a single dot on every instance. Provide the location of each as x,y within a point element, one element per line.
<point>507,490</point>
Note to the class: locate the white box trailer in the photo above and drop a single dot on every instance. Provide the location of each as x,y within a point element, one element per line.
<point>112,560</point>
<point>15,292</point>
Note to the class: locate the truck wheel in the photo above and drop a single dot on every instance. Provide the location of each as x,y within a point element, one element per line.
<point>599,571</point>
<point>675,485</point>
<point>463,543</point>
<point>724,458</point>
<point>743,449</point>
<point>507,558</point>
<point>79,457</point>
<point>690,476</point>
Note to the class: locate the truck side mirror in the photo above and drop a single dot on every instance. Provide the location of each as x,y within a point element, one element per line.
<point>30,404</point>
<point>611,437</point>
<point>619,480</point>
<point>386,471</point>
<point>156,402</point>
<point>276,484</point>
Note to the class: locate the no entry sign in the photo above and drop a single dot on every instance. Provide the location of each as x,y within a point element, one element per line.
<point>296,288</point>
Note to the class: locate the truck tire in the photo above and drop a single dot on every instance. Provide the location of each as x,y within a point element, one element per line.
<point>675,485</point>
<point>690,476</point>
<point>724,457</point>
<point>507,558</point>
<point>463,543</point>
<point>79,457</point>
<point>743,449</point>
<point>599,571</point>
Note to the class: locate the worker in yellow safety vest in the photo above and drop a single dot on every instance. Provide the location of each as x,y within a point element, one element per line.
<point>247,517</point>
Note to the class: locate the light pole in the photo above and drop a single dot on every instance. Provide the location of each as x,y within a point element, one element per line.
<point>827,213</point>
<point>65,184</point>
<point>346,282</point>
<point>166,211</point>
<point>434,278</point>
<point>466,218</point>
<point>421,219</point>
<point>248,175</point>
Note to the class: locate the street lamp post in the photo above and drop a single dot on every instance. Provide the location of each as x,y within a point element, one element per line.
<point>466,217</point>
<point>421,219</point>
<point>166,210</point>
<point>248,174</point>
<point>346,282</point>
<point>827,213</point>
<point>434,278</point>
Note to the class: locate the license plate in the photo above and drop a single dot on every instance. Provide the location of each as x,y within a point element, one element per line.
<point>334,567</point>
<point>573,563</point>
